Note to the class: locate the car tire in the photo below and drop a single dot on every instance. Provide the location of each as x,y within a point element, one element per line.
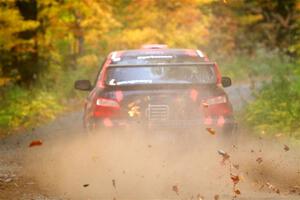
<point>229,135</point>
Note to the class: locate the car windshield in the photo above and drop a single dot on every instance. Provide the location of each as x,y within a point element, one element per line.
<point>199,74</point>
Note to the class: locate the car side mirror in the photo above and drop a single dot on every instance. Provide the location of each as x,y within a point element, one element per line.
<point>84,85</point>
<point>226,81</point>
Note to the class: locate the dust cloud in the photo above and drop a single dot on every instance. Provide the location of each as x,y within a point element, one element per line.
<point>147,165</point>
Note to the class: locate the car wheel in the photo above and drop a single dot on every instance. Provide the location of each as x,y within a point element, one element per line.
<point>229,135</point>
<point>89,126</point>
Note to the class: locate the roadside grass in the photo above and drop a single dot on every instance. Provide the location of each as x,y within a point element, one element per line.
<point>275,110</point>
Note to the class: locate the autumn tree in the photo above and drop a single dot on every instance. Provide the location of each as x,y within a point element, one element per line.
<point>178,23</point>
<point>18,47</point>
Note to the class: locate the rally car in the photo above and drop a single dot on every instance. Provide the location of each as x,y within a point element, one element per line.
<point>156,87</point>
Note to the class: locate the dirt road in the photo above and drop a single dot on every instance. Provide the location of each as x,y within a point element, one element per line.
<point>67,164</point>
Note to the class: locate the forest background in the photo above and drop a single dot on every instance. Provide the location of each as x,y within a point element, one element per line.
<point>47,44</point>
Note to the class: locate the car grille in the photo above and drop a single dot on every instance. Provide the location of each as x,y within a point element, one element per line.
<point>158,112</point>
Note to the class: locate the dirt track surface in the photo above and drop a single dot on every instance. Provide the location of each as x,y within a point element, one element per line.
<point>135,165</point>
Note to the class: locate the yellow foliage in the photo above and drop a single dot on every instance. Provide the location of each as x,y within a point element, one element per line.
<point>13,23</point>
<point>250,19</point>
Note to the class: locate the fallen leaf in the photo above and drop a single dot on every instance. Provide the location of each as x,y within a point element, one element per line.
<point>224,155</point>
<point>114,183</point>
<point>211,131</point>
<point>216,197</point>
<point>35,143</point>
<point>295,189</point>
<point>86,185</point>
<point>286,148</point>
<point>270,186</point>
<point>236,166</point>
<point>235,179</point>
<point>237,191</point>
<point>259,160</point>
<point>175,189</point>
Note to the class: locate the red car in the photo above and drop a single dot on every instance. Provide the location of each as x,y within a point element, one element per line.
<point>157,87</point>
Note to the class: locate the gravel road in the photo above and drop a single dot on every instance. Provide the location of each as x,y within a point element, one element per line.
<point>64,163</point>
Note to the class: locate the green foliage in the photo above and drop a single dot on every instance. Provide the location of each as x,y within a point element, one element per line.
<point>277,107</point>
<point>260,64</point>
<point>22,108</point>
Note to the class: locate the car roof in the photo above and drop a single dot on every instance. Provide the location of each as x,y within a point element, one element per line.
<point>162,51</point>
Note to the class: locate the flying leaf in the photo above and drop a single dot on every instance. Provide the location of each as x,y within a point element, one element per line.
<point>294,189</point>
<point>259,160</point>
<point>270,186</point>
<point>224,155</point>
<point>237,191</point>
<point>211,131</point>
<point>236,166</point>
<point>235,179</point>
<point>175,189</point>
<point>35,143</point>
<point>286,148</point>
<point>114,183</point>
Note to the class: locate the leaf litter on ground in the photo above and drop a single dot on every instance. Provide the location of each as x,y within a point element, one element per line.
<point>259,160</point>
<point>224,155</point>
<point>35,143</point>
<point>286,148</point>
<point>175,189</point>
<point>211,131</point>
<point>114,183</point>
